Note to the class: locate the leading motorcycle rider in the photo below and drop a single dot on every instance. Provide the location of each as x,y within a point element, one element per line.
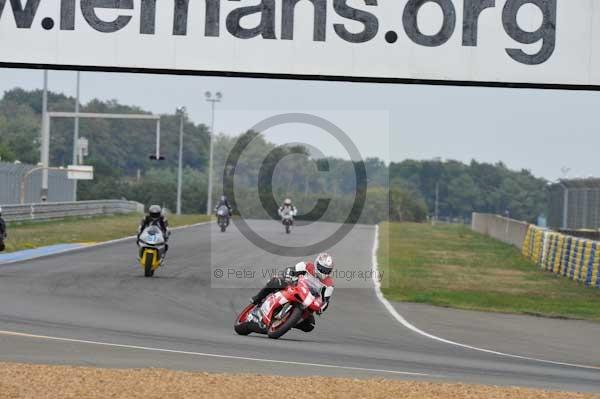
<point>321,269</point>
<point>157,218</point>
<point>287,204</point>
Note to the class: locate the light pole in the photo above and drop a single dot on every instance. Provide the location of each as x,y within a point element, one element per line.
<point>76,134</point>
<point>437,202</point>
<point>45,144</point>
<point>181,111</point>
<point>213,100</point>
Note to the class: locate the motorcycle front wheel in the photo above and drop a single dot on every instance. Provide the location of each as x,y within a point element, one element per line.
<point>241,326</point>
<point>148,272</point>
<point>279,327</point>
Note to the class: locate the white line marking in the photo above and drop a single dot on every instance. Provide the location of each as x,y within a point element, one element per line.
<point>91,246</point>
<point>145,348</point>
<point>411,327</point>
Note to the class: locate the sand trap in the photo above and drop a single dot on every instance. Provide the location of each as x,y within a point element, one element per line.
<point>37,381</point>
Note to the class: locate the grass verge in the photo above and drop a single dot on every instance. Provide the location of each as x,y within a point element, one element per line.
<point>31,235</point>
<point>452,266</point>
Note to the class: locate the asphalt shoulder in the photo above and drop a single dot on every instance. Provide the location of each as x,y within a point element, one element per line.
<point>560,340</point>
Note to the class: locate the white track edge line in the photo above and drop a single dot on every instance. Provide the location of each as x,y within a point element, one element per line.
<point>390,308</point>
<point>179,352</point>
<point>94,245</point>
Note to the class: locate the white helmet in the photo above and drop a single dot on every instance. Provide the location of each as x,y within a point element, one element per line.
<point>287,202</point>
<point>323,265</point>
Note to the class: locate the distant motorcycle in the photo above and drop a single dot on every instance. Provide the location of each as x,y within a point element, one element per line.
<point>223,217</point>
<point>287,219</point>
<point>152,246</point>
<point>282,310</point>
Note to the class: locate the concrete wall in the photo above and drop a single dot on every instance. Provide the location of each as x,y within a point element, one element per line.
<point>501,228</point>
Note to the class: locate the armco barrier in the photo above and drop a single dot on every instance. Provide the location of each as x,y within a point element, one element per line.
<point>61,210</point>
<point>575,258</point>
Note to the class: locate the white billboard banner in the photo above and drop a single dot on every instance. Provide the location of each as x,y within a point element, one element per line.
<point>541,43</point>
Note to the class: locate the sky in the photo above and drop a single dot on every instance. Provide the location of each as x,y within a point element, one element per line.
<point>545,131</point>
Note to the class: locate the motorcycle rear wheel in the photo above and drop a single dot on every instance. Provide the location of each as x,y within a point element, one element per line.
<point>279,327</point>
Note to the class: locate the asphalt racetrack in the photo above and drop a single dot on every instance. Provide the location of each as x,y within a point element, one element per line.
<point>93,307</point>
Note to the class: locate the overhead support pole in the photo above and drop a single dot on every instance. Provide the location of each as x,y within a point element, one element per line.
<point>76,133</point>
<point>45,155</point>
<point>157,153</point>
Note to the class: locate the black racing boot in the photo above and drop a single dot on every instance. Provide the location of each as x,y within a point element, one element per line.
<point>260,297</point>
<point>306,325</point>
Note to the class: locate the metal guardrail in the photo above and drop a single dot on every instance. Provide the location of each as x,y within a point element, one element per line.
<point>61,210</point>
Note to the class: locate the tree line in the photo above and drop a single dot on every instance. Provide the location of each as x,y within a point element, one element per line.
<point>264,174</point>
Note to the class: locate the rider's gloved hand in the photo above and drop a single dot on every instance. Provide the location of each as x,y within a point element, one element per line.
<point>290,274</point>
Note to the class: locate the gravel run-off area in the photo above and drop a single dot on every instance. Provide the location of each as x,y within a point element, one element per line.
<point>40,381</point>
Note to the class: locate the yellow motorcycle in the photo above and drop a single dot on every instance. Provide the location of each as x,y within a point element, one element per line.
<point>153,248</point>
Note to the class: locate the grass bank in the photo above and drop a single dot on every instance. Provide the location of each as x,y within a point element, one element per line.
<point>452,266</point>
<point>31,235</point>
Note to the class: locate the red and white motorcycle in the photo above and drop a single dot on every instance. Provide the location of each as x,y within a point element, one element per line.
<point>283,310</point>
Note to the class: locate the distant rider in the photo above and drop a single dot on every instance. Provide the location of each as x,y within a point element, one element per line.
<point>156,217</point>
<point>287,205</point>
<point>224,202</point>
<point>3,235</point>
<point>321,269</point>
